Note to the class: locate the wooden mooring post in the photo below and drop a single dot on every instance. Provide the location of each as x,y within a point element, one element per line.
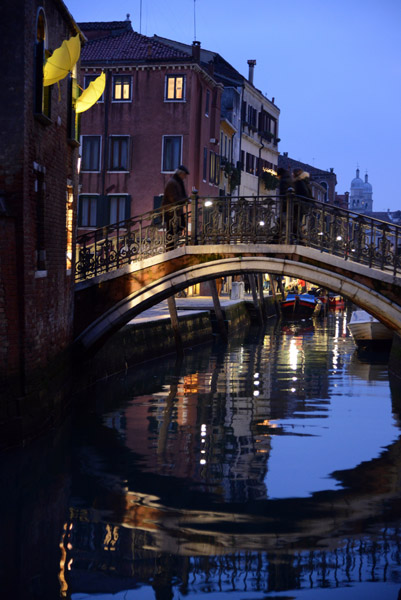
<point>217,309</point>
<point>172,308</point>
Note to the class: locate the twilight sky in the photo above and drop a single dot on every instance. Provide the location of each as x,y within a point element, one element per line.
<point>333,67</point>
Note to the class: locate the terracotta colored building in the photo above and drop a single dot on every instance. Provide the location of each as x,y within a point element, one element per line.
<point>160,109</point>
<point>38,186</point>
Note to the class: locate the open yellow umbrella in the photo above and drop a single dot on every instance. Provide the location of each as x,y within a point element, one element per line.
<point>92,94</point>
<point>62,61</point>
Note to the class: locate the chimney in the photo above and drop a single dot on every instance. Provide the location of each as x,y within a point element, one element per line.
<point>251,64</point>
<point>196,46</point>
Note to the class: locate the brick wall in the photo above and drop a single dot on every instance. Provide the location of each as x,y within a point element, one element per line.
<point>36,162</point>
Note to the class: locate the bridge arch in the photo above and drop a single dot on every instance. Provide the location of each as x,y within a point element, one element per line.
<point>151,281</point>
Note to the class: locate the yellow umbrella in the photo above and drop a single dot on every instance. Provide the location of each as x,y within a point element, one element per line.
<point>62,61</point>
<point>92,94</point>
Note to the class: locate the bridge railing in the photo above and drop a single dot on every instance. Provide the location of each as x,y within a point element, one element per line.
<point>244,220</point>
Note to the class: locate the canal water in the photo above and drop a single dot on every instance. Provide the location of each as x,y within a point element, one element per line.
<point>268,468</point>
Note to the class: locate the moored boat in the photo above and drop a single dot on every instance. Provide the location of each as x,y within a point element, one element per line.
<point>368,332</point>
<point>298,306</point>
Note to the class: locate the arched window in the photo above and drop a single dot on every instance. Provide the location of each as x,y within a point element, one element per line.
<point>42,94</point>
<point>324,184</point>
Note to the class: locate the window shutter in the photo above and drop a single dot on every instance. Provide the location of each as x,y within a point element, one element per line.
<point>128,206</point>
<point>103,211</point>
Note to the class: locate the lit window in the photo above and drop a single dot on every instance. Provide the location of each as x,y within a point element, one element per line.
<point>171,152</point>
<point>122,88</point>
<point>118,154</point>
<point>175,87</point>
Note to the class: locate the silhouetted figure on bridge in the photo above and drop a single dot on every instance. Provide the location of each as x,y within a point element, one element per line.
<point>175,194</point>
<point>303,189</point>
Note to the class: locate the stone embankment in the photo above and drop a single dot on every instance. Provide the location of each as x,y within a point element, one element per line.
<point>150,335</point>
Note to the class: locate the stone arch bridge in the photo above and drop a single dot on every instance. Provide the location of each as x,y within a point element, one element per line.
<point>126,268</point>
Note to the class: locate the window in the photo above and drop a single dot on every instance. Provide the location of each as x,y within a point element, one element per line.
<point>118,153</point>
<point>250,163</point>
<point>119,208</point>
<point>122,88</point>
<point>87,210</point>
<point>88,80</point>
<point>171,152</point>
<point>214,171</point>
<point>42,95</point>
<point>207,106</point>
<point>90,148</point>
<point>252,116</point>
<point>175,88</point>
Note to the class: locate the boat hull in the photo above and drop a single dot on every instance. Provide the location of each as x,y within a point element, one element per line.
<point>368,332</point>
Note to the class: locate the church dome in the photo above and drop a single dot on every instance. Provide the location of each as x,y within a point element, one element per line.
<point>366,186</point>
<point>357,183</point>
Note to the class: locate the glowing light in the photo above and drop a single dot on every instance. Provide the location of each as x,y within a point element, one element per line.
<point>202,461</point>
<point>208,203</point>
<point>256,393</point>
<point>262,223</point>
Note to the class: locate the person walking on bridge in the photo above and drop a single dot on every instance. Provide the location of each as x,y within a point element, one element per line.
<point>303,190</point>
<point>174,197</point>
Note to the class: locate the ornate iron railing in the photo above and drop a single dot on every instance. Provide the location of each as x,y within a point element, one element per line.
<point>245,220</point>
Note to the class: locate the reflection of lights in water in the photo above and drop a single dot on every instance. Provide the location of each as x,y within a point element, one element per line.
<point>293,355</point>
<point>335,356</point>
<point>344,327</point>
<point>293,390</point>
<point>256,393</point>
<point>256,382</point>
<point>256,375</point>
<point>295,378</point>
<point>70,564</point>
<point>337,329</point>
<point>203,430</point>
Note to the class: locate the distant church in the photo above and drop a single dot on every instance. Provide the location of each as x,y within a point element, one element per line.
<point>360,199</point>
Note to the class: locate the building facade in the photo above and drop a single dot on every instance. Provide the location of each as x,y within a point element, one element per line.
<point>160,109</point>
<point>38,189</point>
<point>326,179</point>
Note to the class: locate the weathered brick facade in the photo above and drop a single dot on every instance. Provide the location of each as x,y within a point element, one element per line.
<point>38,159</point>
<point>146,118</point>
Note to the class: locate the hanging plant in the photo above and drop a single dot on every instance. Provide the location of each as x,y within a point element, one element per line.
<point>235,178</point>
<point>269,180</point>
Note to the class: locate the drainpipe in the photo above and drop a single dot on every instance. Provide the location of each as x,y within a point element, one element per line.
<point>260,156</point>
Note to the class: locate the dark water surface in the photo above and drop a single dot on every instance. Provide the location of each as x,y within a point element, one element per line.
<point>266,469</point>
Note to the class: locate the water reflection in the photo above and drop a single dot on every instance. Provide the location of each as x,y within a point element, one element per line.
<point>268,466</point>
